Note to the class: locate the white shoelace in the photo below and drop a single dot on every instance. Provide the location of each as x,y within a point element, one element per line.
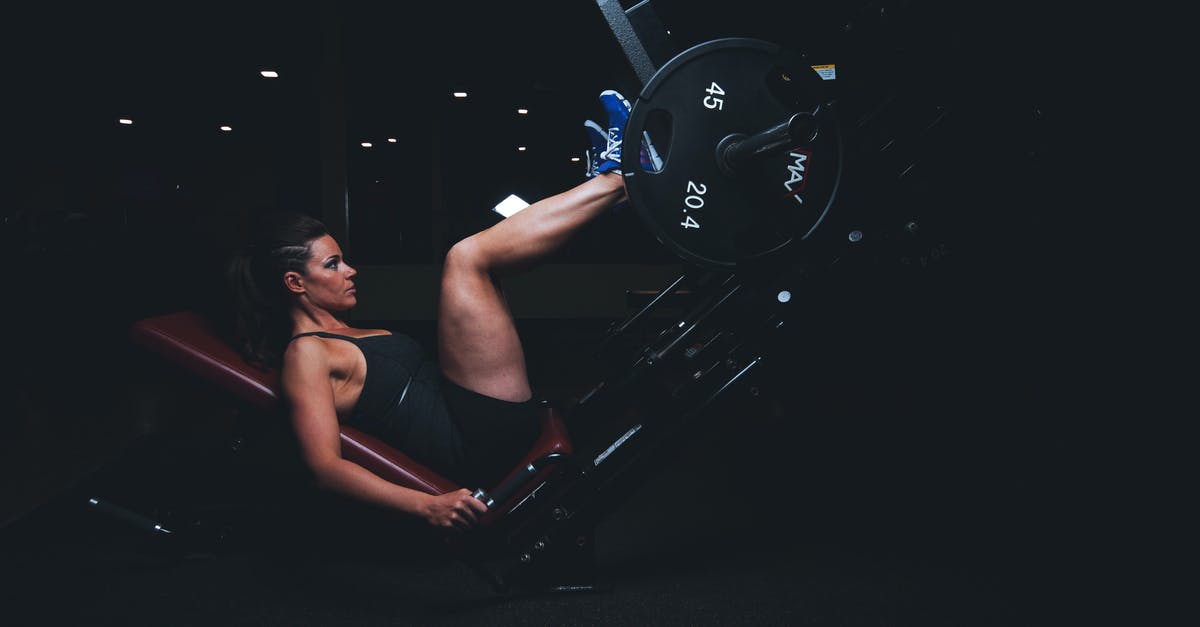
<point>614,146</point>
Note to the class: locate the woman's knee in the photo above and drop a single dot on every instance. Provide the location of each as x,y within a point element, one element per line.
<point>466,255</point>
<point>466,270</point>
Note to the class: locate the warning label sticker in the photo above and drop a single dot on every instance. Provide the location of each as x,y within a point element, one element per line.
<point>826,72</point>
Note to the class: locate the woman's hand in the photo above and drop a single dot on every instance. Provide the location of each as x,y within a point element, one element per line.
<point>456,510</point>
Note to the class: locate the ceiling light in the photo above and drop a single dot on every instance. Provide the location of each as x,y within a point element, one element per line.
<point>523,111</point>
<point>520,148</point>
<point>366,144</point>
<point>269,74</point>
<point>391,140</point>
<point>460,94</point>
<point>574,159</point>
<point>226,128</point>
<point>125,121</point>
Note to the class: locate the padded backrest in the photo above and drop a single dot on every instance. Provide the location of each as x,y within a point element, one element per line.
<point>189,340</point>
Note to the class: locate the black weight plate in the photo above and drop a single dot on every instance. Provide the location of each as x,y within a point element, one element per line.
<point>708,216</point>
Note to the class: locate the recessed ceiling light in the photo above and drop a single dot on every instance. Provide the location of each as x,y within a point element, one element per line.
<point>521,148</point>
<point>366,144</point>
<point>523,111</point>
<point>391,140</point>
<point>573,159</point>
<point>460,94</point>
<point>125,121</point>
<point>226,128</point>
<point>269,74</point>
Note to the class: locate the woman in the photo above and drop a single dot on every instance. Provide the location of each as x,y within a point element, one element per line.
<point>470,415</point>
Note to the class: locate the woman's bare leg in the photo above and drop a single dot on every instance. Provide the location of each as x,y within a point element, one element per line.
<point>478,345</point>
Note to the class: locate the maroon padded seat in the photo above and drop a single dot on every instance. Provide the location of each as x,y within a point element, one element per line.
<point>189,340</point>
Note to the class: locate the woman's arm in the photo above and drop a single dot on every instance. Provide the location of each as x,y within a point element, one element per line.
<point>309,394</point>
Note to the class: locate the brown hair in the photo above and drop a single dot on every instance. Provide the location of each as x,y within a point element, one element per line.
<point>280,242</point>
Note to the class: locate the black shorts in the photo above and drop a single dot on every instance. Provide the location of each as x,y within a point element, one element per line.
<point>495,434</point>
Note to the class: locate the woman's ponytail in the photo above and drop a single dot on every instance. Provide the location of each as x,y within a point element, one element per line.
<point>280,243</point>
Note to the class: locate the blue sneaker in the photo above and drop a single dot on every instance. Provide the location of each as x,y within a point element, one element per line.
<point>618,115</point>
<point>599,139</point>
<point>617,108</point>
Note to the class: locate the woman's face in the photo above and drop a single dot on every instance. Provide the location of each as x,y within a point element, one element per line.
<point>328,279</point>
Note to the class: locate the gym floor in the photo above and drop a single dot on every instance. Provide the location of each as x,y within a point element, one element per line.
<point>664,568</point>
<point>722,537</point>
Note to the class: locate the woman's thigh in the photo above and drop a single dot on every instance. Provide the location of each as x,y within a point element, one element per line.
<point>478,344</point>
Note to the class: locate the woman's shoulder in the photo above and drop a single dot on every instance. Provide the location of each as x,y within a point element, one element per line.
<point>313,343</point>
<point>306,361</point>
<point>304,347</point>
<point>338,333</point>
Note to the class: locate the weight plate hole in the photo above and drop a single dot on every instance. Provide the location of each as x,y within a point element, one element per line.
<point>659,128</point>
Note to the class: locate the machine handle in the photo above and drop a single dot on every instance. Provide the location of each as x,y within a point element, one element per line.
<point>508,488</point>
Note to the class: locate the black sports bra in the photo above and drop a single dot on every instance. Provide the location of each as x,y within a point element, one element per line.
<point>401,400</point>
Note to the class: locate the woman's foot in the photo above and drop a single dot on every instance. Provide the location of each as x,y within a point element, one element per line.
<point>618,108</point>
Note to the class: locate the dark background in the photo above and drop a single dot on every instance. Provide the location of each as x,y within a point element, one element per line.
<point>984,403</point>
